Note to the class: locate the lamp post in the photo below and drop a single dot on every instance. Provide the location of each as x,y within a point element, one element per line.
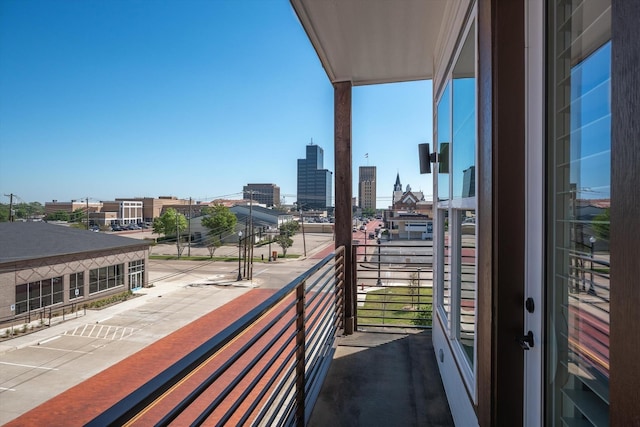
<point>239,256</point>
<point>592,241</point>
<point>379,282</point>
<point>365,244</point>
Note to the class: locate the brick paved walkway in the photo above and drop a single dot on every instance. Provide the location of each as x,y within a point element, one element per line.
<point>82,403</point>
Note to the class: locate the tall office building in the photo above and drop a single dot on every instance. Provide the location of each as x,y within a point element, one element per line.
<point>267,194</point>
<point>367,187</point>
<point>314,182</point>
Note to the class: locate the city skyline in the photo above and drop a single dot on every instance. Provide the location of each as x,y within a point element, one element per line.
<point>186,99</point>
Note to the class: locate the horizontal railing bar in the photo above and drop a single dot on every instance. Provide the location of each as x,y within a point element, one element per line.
<point>288,409</point>
<point>321,339</point>
<point>128,407</point>
<point>211,407</point>
<point>268,386</point>
<point>195,393</point>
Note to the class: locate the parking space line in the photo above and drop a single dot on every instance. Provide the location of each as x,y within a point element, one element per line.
<point>49,340</point>
<point>61,349</point>
<point>28,366</point>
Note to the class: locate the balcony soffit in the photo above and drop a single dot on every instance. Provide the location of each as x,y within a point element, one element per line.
<point>375,41</point>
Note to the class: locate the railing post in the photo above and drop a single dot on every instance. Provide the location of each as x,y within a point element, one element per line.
<point>350,295</point>
<point>339,270</point>
<point>300,354</point>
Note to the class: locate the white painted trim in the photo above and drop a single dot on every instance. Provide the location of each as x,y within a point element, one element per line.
<point>459,376</point>
<point>460,405</point>
<point>534,210</point>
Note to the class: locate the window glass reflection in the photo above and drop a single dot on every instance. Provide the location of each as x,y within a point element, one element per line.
<point>444,140</point>
<point>464,121</point>
<point>444,258</point>
<point>580,158</point>
<point>467,281</point>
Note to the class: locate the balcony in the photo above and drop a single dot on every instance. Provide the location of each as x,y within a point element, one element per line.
<point>287,361</point>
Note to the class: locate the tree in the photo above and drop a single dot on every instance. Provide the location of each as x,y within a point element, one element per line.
<point>289,228</point>
<point>368,212</point>
<point>601,225</point>
<point>21,211</point>
<point>77,215</point>
<point>169,223</point>
<point>414,287</point>
<point>28,210</point>
<point>213,243</point>
<point>4,213</point>
<point>58,216</point>
<point>285,242</point>
<point>219,220</point>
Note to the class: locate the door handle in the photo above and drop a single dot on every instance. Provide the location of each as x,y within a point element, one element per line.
<point>526,341</point>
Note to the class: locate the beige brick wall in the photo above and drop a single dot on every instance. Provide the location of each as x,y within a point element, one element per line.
<point>13,274</point>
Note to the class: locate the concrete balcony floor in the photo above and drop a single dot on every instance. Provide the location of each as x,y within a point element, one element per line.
<point>383,377</point>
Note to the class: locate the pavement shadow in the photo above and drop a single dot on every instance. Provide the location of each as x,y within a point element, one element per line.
<point>383,378</point>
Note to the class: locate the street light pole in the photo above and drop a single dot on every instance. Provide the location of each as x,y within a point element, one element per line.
<point>592,291</point>
<point>239,256</point>
<point>365,244</point>
<point>379,282</point>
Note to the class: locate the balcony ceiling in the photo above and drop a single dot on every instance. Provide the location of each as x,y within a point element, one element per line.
<point>374,41</point>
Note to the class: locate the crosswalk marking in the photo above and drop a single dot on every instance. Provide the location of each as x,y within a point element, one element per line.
<point>101,331</point>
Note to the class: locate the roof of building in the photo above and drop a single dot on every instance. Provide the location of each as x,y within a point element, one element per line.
<point>407,196</point>
<point>21,241</point>
<point>259,209</point>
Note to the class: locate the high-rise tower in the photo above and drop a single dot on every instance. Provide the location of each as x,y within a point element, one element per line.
<point>314,182</point>
<point>367,187</point>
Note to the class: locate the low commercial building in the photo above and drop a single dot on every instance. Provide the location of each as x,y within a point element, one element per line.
<point>409,226</point>
<point>44,265</point>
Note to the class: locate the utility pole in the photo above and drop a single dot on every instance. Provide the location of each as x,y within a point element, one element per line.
<point>87,212</point>
<point>189,250</point>
<point>304,241</point>
<point>177,235</point>
<point>10,196</point>
<point>251,234</point>
<point>245,248</point>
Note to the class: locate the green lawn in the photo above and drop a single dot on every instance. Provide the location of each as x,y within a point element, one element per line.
<point>396,305</point>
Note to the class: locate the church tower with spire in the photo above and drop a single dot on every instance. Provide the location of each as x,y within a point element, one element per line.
<point>397,186</point>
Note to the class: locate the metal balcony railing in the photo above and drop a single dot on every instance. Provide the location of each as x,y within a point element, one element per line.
<point>264,369</point>
<point>394,283</point>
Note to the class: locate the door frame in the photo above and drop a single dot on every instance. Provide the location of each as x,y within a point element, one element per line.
<point>533,402</point>
<point>501,211</point>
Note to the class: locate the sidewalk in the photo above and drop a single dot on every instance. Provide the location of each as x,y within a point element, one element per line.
<point>41,365</point>
<point>312,242</point>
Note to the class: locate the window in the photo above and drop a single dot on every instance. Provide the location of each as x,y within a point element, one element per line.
<point>39,294</point>
<point>76,285</point>
<point>101,279</point>
<point>579,155</point>
<point>136,274</point>
<point>456,205</point>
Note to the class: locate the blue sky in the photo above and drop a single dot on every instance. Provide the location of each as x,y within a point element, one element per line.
<point>126,98</point>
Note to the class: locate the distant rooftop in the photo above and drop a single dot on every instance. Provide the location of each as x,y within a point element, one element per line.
<point>21,241</point>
